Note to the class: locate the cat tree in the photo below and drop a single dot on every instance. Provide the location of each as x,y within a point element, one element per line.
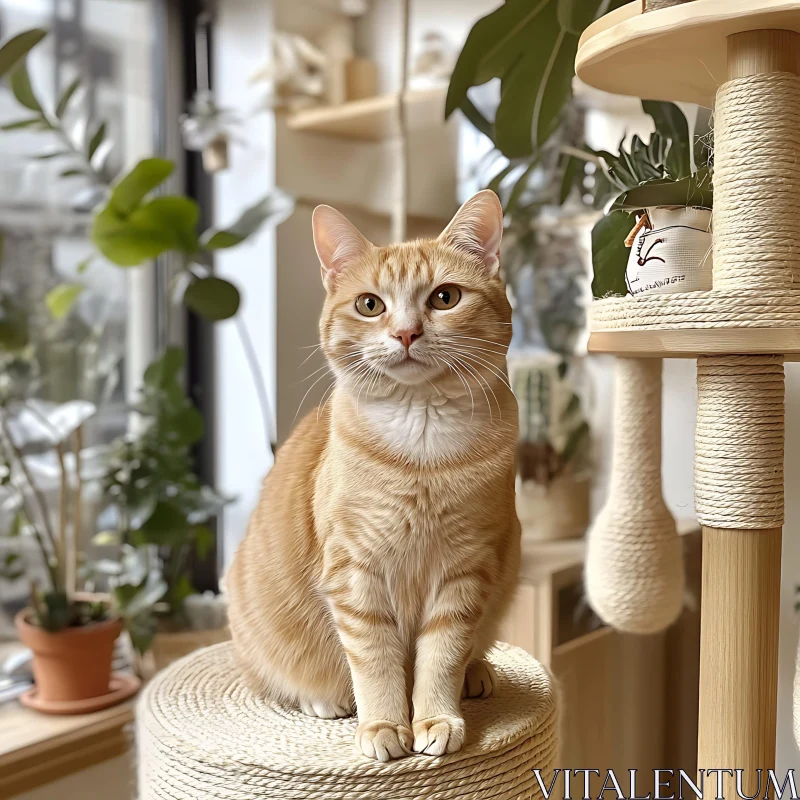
<point>203,734</point>
<point>742,58</point>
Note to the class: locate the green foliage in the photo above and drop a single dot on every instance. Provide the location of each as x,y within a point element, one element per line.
<point>672,126</point>
<point>16,48</point>
<point>660,172</point>
<point>129,191</point>
<point>54,611</point>
<point>530,46</point>
<point>61,298</point>
<point>162,505</point>
<point>609,254</point>
<point>66,96</point>
<point>131,226</point>
<point>151,482</point>
<point>11,567</point>
<point>21,87</point>
<point>14,332</point>
<point>213,298</point>
<point>136,597</point>
<point>693,190</point>
<point>274,207</point>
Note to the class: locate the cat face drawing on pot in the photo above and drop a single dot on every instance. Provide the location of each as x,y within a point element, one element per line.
<point>671,252</point>
<point>386,542</point>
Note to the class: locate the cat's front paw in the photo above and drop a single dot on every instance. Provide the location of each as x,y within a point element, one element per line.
<point>383,740</point>
<point>479,679</point>
<point>436,736</point>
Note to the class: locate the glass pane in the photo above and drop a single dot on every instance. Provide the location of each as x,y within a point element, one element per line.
<point>45,204</point>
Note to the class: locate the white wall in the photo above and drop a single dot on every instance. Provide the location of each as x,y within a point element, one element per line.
<point>242,46</point>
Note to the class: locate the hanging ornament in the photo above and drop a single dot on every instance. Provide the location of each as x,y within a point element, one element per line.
<point>206,127</point>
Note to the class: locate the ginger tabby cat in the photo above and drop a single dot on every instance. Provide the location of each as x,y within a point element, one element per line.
<point>385,546</point>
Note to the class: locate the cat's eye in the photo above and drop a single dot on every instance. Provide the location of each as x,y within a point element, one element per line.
<point>369,305</point>
<point>445,297</point>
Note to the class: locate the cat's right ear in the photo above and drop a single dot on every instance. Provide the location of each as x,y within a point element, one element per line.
<point>337,241</point>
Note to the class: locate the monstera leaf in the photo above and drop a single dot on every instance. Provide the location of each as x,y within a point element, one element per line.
<point>530,46</point>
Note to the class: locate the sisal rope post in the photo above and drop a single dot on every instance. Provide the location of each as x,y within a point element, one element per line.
<point>202,733</point>
<point>634,563</point>
<point>740,425</point>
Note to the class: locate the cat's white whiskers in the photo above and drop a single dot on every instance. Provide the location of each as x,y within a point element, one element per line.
<point>481,381</point>
<point>488,385</point>
<point>473,348</point>
<point>466,384</point>
<point>361,364</point>
<point>307,393</point>
<point>478,339</point>
<point>368,376</point>
<point>315,347</point>
<point>455,372</point>
<point>347,357</point>
<point>488,365</point>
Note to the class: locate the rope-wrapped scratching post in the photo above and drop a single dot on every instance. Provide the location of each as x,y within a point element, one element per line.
<point>740,417</point>
<point>203,734</point>
<point>634,565</point>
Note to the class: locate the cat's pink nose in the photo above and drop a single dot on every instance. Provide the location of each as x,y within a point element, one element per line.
<point>408,336</point>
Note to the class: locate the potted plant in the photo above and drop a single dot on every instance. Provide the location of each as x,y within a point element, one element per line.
<point>666,184</point>
<point>71,633</point>
<point>554,449</point>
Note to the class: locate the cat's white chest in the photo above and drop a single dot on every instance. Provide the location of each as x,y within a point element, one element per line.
<point>420,427</point>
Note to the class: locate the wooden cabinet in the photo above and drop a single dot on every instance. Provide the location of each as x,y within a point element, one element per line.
<point>628,702</point>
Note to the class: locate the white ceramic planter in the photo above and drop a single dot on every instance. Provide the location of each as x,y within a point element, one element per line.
<point>672,256</point>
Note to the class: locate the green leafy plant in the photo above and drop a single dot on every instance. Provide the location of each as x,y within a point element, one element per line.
<point>539,458</point>
<point>135,221</point>
<point>151,483</point>
<point>530,47</point>
<point>28,424</point>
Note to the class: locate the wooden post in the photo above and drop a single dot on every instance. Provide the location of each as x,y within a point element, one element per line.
<point>741,571</point>
<point>739,654</point>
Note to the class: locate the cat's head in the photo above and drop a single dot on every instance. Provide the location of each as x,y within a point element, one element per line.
<point>430,311</point>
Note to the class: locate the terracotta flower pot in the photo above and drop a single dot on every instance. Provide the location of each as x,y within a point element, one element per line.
<point>73,664</point>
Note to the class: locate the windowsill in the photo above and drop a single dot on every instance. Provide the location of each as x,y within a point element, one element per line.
<point>36,749</point>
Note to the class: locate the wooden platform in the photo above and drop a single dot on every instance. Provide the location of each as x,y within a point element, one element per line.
<point>692,342</point>
<point>373,119</point>
<point>676,53</point>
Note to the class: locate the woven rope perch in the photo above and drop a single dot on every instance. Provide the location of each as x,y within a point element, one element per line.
<point>203,734</point>
<point>634,566</point>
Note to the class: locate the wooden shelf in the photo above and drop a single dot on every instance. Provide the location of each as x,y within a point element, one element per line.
<point>677,53</point>
<point>373,119</point>
<point>691,342</point>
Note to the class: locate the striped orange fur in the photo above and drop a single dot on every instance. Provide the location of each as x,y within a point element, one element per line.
<point>384,548</point>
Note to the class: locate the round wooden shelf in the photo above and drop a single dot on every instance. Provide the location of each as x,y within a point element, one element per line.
<point>676,53</point>
<point>692,342</point>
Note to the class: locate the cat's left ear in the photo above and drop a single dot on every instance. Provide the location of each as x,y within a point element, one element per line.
<point>477,229</point>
